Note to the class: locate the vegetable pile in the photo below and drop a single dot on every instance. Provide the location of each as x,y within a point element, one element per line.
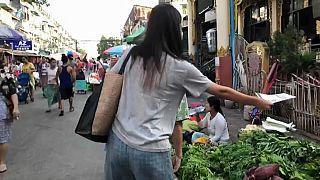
<point>297,160</point>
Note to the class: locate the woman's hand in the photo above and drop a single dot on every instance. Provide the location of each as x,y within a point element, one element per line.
<point>263,104</point>
<point>16,113</point>
<point>176,162</point>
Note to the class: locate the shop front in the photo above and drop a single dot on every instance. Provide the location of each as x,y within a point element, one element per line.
<point>257,20</point>
<point>206,20</point>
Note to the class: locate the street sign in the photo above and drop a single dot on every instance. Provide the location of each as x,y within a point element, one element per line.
<point>22,45</point>
<point>18,45</point>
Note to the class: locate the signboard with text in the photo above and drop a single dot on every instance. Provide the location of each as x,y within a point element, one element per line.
<point>22,45</point>
<point>18,45</point>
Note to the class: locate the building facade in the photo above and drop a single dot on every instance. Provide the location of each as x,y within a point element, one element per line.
<point>47,35</point>
<point>137,17</point>
<point>255,20</point>
<point>180,5</point>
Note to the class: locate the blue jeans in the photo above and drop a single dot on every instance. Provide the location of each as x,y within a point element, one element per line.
<point>126,163</point>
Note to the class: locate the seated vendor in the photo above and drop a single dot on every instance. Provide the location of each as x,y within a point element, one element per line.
<point>214,125</point>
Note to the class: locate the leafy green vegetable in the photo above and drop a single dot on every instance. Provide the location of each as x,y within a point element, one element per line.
<point>297,159</point>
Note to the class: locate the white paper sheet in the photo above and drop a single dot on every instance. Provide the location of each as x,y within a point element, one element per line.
<point>275,98</point>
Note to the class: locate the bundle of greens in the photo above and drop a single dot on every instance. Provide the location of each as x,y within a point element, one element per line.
<point>297,159</point>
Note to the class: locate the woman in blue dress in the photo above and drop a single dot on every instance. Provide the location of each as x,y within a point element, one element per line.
<point>8,112</point>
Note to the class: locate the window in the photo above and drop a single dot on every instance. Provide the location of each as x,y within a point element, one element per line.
<point>259,13</point>
<point>257,24</point>
<point>318,27</point>
<point>299,4</point>
<point>300,14</point>
<point>184,9</point>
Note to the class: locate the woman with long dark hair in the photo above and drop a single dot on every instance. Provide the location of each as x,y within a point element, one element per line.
<point>214,125</point>
<point>155,80</point>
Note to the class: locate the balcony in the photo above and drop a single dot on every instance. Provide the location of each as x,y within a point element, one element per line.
<point>6,4</point>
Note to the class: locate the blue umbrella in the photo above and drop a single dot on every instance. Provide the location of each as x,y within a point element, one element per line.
<point>116,50</point>
<point>8,33</point>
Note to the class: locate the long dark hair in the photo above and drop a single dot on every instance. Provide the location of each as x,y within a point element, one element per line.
<point>163,35</point>
<point>214,103</point>
<point>64,59</point>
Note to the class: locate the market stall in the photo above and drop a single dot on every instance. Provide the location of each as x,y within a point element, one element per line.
<point>256,154</point>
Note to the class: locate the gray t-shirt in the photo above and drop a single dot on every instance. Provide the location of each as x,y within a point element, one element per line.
<point>145,119</point>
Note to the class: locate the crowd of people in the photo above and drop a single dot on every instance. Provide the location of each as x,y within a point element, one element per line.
<point>57,80</point>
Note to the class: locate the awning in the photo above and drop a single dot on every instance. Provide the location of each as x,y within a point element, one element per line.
<point>7,33</point>
<point>19,53</point>
<point>6,6</point>
<point>132,39</point>
<point>204,4</point>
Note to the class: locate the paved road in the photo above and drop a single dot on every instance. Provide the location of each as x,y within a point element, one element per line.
<point>45,147</point>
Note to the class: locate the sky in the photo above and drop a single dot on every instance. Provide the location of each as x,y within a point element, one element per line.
<point>90,19</point>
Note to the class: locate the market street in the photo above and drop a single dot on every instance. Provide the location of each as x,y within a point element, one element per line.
<point>45,147</point>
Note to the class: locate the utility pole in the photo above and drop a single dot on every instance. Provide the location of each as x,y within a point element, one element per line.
<point>232,42</point>
<point>76,45</point>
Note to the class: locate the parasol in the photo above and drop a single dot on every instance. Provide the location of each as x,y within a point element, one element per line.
<point>73,53</point>
<point>116,50</point>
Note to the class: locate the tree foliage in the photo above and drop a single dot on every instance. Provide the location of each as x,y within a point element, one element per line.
<point>287,47</point>
<point>287,43</point>
<point>82,51</point>
<point>106,43</point>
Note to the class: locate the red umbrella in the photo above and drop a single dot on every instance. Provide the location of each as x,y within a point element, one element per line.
<point>272,76</point>
<point>75,55</point>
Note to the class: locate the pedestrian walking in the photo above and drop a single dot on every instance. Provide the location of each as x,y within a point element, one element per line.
<point>71,60</point>
<point>67,78</point>
<point>52,88</point>
<point>155,80</point>
<point>90,67</point>
<point>29,68</point>
<point>100,68</point>
<point>43,66</point>
<point>8,112</point>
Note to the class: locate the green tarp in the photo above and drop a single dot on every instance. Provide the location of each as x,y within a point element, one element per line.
<point>135,36</point>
